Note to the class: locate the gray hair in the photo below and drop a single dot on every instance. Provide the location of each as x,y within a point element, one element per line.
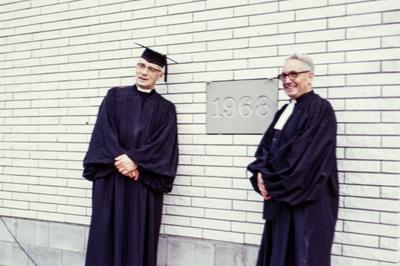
<point>306,60</point>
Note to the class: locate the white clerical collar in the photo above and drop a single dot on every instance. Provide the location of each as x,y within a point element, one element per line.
<point>285,115</point>
<point>143,90</point>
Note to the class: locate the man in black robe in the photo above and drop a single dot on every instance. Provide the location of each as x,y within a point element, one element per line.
<point>295,171</point>
<point>132,160</point>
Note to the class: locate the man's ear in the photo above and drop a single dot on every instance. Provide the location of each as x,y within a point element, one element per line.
<point>161,76</point>
<point>311,75</point>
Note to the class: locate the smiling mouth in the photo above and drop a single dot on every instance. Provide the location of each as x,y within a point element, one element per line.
<point>143,79</point>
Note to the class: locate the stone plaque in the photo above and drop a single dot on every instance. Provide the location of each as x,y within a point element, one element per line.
<point>242,106</point>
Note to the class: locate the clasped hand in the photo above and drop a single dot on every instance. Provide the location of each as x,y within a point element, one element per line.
<point>261,187</point>
<point>127,167</point>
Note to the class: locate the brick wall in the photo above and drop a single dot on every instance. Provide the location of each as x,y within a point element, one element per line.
<point>59,57</point>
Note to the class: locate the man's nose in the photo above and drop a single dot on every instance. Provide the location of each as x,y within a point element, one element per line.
<point>145,71</point>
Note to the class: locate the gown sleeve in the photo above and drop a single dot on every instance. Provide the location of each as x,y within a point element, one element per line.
<point>262,153</point>
<point>158,159</point>
<point>299,169</point>
<point>104,145</point>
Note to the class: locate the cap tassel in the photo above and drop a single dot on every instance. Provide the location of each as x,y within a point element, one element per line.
<point>166,72</point>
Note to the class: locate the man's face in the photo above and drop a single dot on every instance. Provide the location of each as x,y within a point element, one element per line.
<point>147,74</point>
<point>294,83</point>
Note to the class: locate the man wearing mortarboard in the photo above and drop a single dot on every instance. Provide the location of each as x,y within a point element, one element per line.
<point>132,160</point>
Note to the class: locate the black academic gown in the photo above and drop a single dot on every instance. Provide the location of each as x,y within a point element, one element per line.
<point>126,214</point>
<point>299,169</point>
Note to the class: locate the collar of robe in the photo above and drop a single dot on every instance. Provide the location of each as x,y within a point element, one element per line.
<point>305,96</point>
<point>144,90</point>
<point>289,109</point>
<point>144,93</point>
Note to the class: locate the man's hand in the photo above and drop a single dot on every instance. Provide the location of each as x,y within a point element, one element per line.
<point>126,166</point>
<point>261,187</point>
<point>134,174</point>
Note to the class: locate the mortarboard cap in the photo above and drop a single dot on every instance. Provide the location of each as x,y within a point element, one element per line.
<point>156,58</point>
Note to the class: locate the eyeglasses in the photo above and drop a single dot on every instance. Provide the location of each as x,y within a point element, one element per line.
<point>143,66</point>
<point>292,75</point>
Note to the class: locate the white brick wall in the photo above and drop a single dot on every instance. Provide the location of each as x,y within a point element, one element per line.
<point>58,58</point>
